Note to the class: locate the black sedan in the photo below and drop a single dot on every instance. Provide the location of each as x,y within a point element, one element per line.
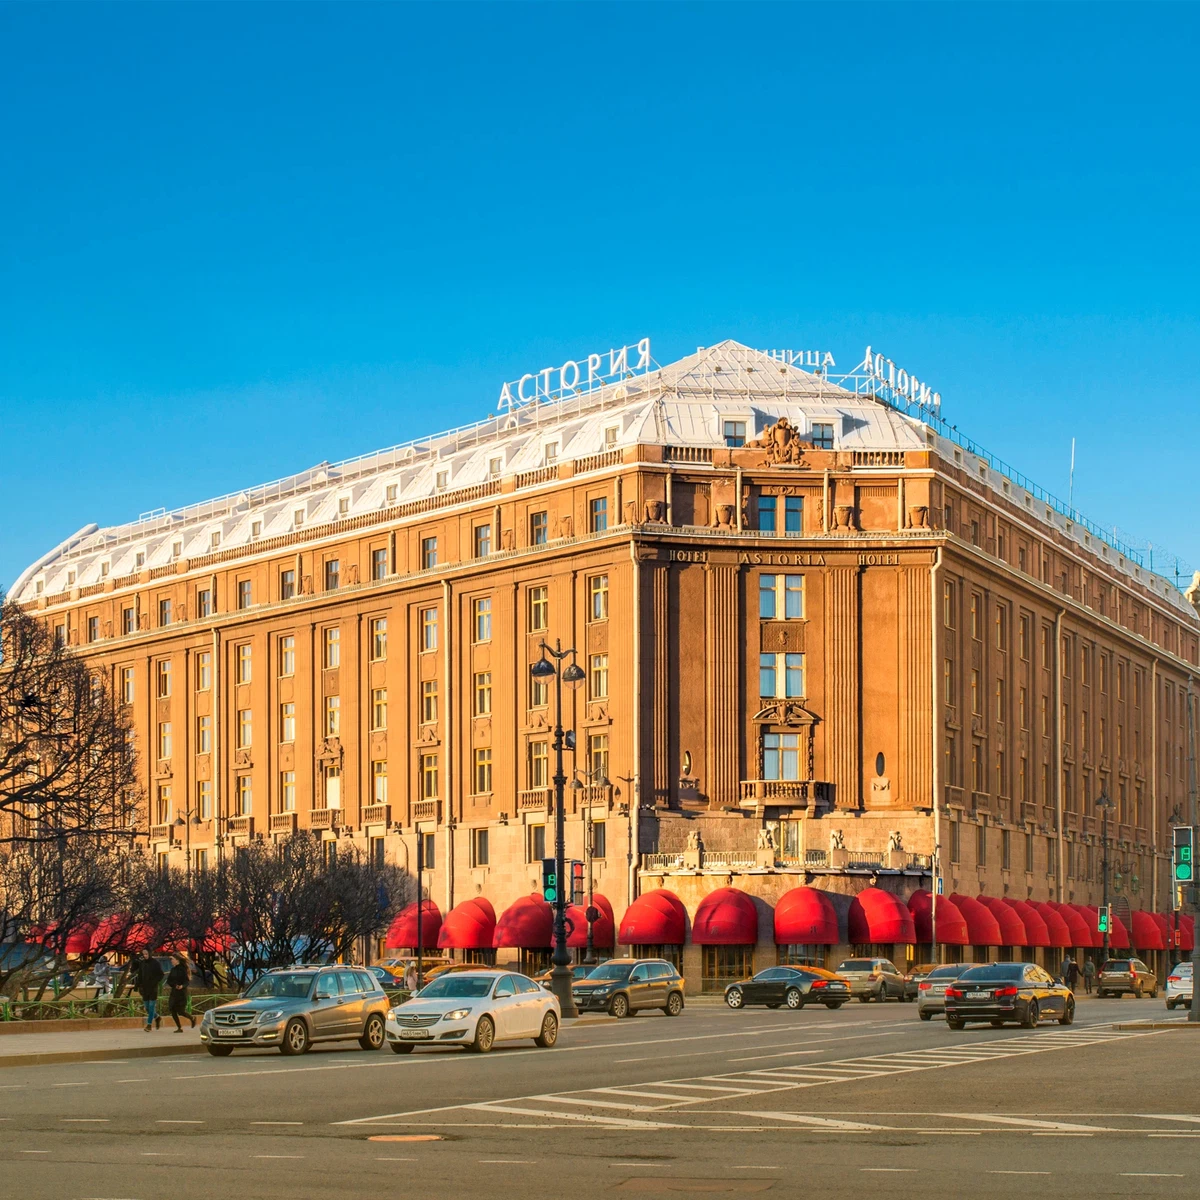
<point>793,986</point>
<point>1003,992</point>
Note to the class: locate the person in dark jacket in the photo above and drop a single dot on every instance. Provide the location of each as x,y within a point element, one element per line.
<point>147,977</point>
<point>177,992</point>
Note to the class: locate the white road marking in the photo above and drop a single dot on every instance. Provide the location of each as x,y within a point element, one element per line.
<point>525,1162</point>
<point>1025,1122</point>
<point>1152,1175</point>
<point>821,1122</point>
<point>1169,1117</point>
<point>1174,1135</point>
<point>1018,1172</point>
<point>277,1156</point>
<point>33,1151</point>
<point>168,1122</point>
<point>891,1170</point>
<point>85,1120</point>
<point>276,1122</point>
<point>619,1122</point>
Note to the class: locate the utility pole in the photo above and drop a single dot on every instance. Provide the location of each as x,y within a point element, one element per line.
<point>1194,1011</point>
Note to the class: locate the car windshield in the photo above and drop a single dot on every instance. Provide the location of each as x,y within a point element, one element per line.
<point>458,986</point>
<point>997,972</point>
<point>1183,968</point>
<point>951,972</point>
<point>610,971</point>
<point>294,985</point>
<point>857,964</point>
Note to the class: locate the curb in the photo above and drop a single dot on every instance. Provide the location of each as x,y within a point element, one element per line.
<point>81,1056</point>
<point>70,1025</point>
<point>1192,1026</point>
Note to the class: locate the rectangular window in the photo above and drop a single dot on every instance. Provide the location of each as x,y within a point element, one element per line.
<point>976,698</point>
<point>483,771</point>
<point>163,807</point>
<point>287,791</point>
<point>781,597</point>
<point>1023,704</point>
<point>550,453</point>
<point>949,695</point>
<point>244,728</point>
<point>429,629</point>
<point>822,436</point>
<point>333,716</point>
<point>1029,852</point>
<point>428,553</point>
<point>127,685</point>
<point>1000,700</point>
<point>781,756</point>
<point>379,639</point>
<point>483,693</point>
<point>1001,627</point>
<point>379,705</point>
<point>976,602</point>
<point>598,597</point>
<point>539,764</point>
<point>793,514</point>
<point>766,514</point>
<point>981,846</point>
<point>333,787</point>
<point>955,842</point>
<point>243,593</point>
<point>203,735</point>
<point>429,702</point>
<point>479,847</point>
<point>429,778</point>
<point>1024,636</point>
<point>93,629</point>
<point>244,796</point>
<point>598,677</point>
<point>948,604</point>
<point>203,670</point>
<point>128,620</point>
<point>1006,849</point>
<point>428,850</point>
<point>481,612</point>
<point>287,655</point>
<point>243,664</point>
<point>768,683</point>
<point>333,648</point>
<point>379,563</point>
<point>164,739</point>
<point>204,604</point>
<point>379,791</point>
<point>539,608</point>
<point>734,433</point>
<point>598,514</point>
<point>598,758</point>
<point>539,528</point>
<point>781,675</point>
<point>162,675</point>
<point>287,722</point>
<point>164,612</point>
<point>483,541</point>
<point>333,574</point>
<point>599,840</point>
<point>537,843</point>
<point>539,693</point>
<point>204,799</point>
<point>1001,773</point>
<point>287,584</point>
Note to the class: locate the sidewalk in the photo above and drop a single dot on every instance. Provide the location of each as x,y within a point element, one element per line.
<point>34,1049</point>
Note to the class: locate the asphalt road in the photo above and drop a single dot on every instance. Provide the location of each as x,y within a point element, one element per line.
<point>867,1101</point>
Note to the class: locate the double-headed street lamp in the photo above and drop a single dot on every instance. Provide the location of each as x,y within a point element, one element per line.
<point>1105,805</point>
<point>572,675</point>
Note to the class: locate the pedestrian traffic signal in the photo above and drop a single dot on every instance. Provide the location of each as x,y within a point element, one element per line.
<point>576,881</point>
<point>1104,918</point>
<point>549,880</point>
<point>1185,853</point>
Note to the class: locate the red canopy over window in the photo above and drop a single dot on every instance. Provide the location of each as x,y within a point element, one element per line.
<point>1118,939</point>
<point>879,917</point>
<point>1087,914</point>
<point>603,933</point>
<point>805,916</point>
<point>527,924</point>
<point>1146,933</point>
<point>1012,928</point>
<point>1187,930</point>
<point>982,927</point>
<point>1081,935</point>
<point>1056,927</point>
<point>470,925</point>
<point>121,933</point>
<point>1036,933</point>
<point>403,931</point>
<point>78,941</point>
<point>951,924</point>
<point>726,917</point>
<point>655,918</point>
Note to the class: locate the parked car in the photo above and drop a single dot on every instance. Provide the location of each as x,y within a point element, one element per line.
<point>1179,985</point>
<point>913,977</point>
<point>1004,992</point>
<point>578,971</point>
<point>931,991</point>
<point>873,979</point>
<point>475,1009</point>
<point>623,986</point>
<point>1120,975</point>
<point>386,978</point>
<point>793,986</point>
<point>293,1007</point>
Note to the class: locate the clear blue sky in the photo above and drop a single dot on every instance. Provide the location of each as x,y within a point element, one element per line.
<point>239,240</point>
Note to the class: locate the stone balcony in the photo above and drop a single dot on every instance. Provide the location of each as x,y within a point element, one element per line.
<point>160,833</point>
<point>377,814</point>
<point>822,861</point>
<point>427,810</point>
<point>322,818</point>
<point>781,793</point>
<point>241,826</point>
<point>535,800</point>
<point>284,822</point>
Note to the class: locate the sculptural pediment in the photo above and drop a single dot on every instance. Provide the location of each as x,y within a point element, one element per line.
<point>785,712</point>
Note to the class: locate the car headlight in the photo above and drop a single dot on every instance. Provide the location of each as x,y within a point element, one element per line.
<point>457,1015</point>
<point>602,991</point>
<point>276,1014</point>
<point>392,1013</point>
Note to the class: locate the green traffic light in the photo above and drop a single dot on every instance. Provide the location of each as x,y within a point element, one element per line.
<point>1183,872</point>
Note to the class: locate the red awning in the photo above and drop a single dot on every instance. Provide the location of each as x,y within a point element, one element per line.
<point>402,934</point>
<point>655,918</point>
<point>1056,927</point>
<point>603,931</point>
<point>726,917</point>
<point>526,924</point>
<point>1187,931</point>
<point>805,916</point>
<point>470,925</point>
<point>1012,928</point>
<point>880,918</point>
<point>1036,933</point>
<point>77,941</point>
<point>1118,939</point>
<point>1161,922</point>
<point>951,924</point>
<point>1146,933</point>
<point>122,933</point>
<point>1087,914</point>
<point>1081,935</point>
<point>982,928</point>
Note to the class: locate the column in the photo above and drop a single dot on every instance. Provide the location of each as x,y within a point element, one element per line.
<point>723,723</point>
<point>842,656</point>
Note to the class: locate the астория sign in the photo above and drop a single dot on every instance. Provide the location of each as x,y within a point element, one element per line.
<point>573,377</point>
<point>898,381</point>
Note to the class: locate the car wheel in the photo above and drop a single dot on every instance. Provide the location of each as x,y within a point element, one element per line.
<point>1068,1016</point>
<point>295,1037</point>
<point>956,1023</point>
<point>834,1003</point>
<point>1030,1019</point>
<point>907,998</point>
<point>674,1004</point>
<point>402,1047</point>
<point>881,995</point>
<point>485,1036</point>
<point>775,1005</point>
<point>1170,1005</point>
<point>925,1016</point>
<point>619,1007</point>
<point>864,999</point>
<point>734,998</point>
<point>794,998</point>
<point>374,1035</point>
<point>220,1051</point>
<point>997,1024</point>
<point>1137,991</point>
<point>549,1035</point>
<point>1154,993</point>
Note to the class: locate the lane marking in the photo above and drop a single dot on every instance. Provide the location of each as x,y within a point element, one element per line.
<point>1018,1172</point>
<point>524,1162</point>
<point>1025,1122</point>
<point>821,1122</point>
<point>84,1120</point>
<point>33,1151</point>
<point>167,1122</point>
<point>1152,1175</point>
<point>891,1170</point>
<point>277,1156</point>
<point>619,1122</point>
<point>276,1122</point>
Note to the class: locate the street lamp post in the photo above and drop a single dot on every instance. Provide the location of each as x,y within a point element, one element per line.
<point>189,817</point>
<point>1104,804</point>
<point>572,675</point>
<point>598,778</point>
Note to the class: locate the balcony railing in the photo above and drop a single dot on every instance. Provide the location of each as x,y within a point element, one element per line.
<point>321,818</point>
<point>662,862</point>
<point>160,833</point>
<point>241,826</point>
<point>377,814</point>
<point>535,800</point>
<point>729,858</point>
<point>283,822</point>
<point>426,810</point>
<point>796,793</point>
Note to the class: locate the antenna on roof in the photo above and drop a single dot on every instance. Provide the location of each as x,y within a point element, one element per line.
<point>1071,480</point>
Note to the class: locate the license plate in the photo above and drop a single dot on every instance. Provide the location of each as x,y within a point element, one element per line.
<point>237,1033</point>
<point>978,995</point>
<point>415,1035</point>
<point>939,991</point>
<point>837,987</point>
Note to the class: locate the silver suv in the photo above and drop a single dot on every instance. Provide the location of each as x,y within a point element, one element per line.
<point>292,1007</point>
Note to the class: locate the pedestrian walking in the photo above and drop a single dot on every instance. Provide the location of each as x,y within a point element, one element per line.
<point>1089,974</point>
<point>1073,975</point>
<point>102,975</point>
<point>410,977</point>
<point>1064,972</point>
<point>177,992</point>
<point>147,978</point>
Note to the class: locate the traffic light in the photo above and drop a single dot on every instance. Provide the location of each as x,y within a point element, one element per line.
<point>1185,853</point>
<point>1104,918</point>
<point>549,880</point>
<point>576,881</point>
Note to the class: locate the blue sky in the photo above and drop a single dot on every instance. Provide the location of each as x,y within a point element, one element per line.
<point>238,240</point>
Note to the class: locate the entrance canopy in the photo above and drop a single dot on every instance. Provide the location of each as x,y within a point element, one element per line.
<point>655,918</point>
<point>805,916</point>
<point>470,925</point>
<point>403,931</point>
<point>880,918</point>
<point>726,917</point>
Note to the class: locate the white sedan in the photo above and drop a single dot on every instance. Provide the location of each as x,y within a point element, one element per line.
<point>475,1009</point>
<point>1179,985</point>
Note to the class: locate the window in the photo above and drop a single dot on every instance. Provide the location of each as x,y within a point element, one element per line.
<point>1001,773</point>
<point>379,563</point>
<point>244,796</point>
<point>333,716</point>
<point>611,433</point>
<point>598,677</point>
<point>976,602</point>
<point>162,675</point>
<point>333,648</point>
<point>287,791</point>
<point>598,757</point>
<point>948,604</point>
<point>343,506</point>
<point>949,695</point>
<point>481,610</point>
<point>379,701</point>
<point>1024,637</point>
<point>127,685</point>
<point>1006,849</point>
<point>1000,700</point>
<point>164,612</point>
<point>428,553</point>
<point>981,845</point>
<point>793,514</point>
<point>734,433</point>
<point>781,596</point>
<point>1023,705</point>
<point>539,609</point>
<point>243,593</point>
<point>495,466</point>
<point>287,585</point>
<point>203,670</point>
<point>379,639</point>
<point>93,629</point>
<point>287,655</point>
<point>392,491</point>
<point>1046,635</point>
<point>256,529</point>
<point>428,850</point>
<point>539,764</point>
<point>1029,852</point>
<point>483,541</point>
<point>244,728</point>
<point>333,573</point>
<point>204,799</point>
<point>781,756</point>
<point>243,664</point>
<point>539,693</point>
<point>598,597</point>
<point>203,735</point>
<point>429,629</point>
<point>60,636</point>
<point>429,702</point>
<point>599,840</point>
<point>955,842</point>
<point>479,847</point>
<point>163,807</point>
<point>977,780</point>
<point>598,514</point>
<point>822,436</point>
<point>1001,627</point>
<point>164,739</point>
<point>536,850</point>
<point>128,620</point>
<point>483,771</point>
<point>539,528</point>
<point>379,792</point>
<point>204,604</point>
<point>287,722</point>
<point>766,514</point>
<point>723,964</point>
<point>429,779</point>
<point>333,787</point>
<point>976,698</point>
<point>550,453</point>
<point>441,481</point>
<point>781,675</point>
<point>483,694</point>
<point>1023,779</point>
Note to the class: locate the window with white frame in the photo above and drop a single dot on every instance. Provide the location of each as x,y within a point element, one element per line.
<point>781,597</point>
<point>781,675</point>
<point>781,756</point>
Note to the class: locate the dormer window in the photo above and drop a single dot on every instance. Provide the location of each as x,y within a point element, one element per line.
<point>392,492</point>
<point>822,435</point>
<point>104,566</point>
<point>610,437</point>
<point>140,559</point>
<point>39,587</point>
<point>70,579</point>
<point>298,518</point>
<point>495,465</point>
<point>734,433</point>
<point>255,529</point>
<point>343,506</point>
<point>442,480</point>
<point>550,453</point>
<point>214,540</point>
<point>176,549</point>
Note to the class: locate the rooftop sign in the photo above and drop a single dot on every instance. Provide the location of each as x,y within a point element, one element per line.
<point>574,377</point>
<point>903,387</point>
